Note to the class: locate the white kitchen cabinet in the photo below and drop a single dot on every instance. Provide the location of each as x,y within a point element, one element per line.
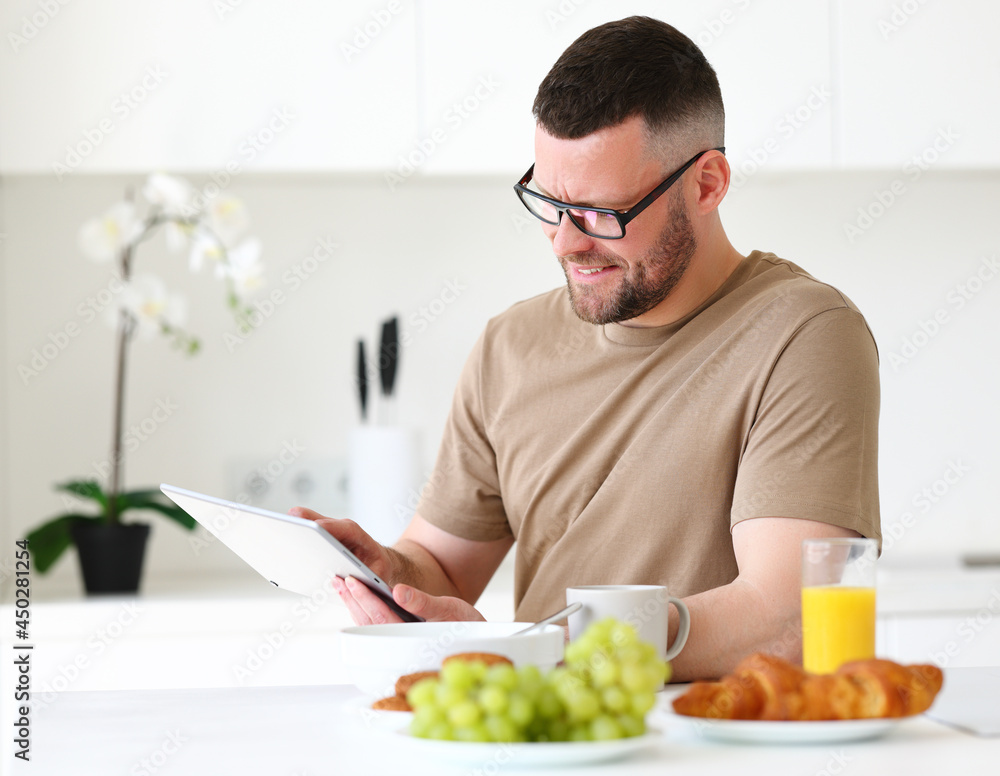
<point>944,614</point>
<point>224,86</point>
<point>919,84</point>
<point>442,87</point>
<point>953,640</point>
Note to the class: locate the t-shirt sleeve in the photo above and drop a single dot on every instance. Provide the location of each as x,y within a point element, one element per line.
<point>812,450</point>
<point>462,495</point>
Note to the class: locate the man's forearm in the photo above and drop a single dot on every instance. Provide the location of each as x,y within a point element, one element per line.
<point>730,622</point>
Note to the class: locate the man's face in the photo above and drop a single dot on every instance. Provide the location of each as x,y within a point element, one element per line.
<point>612,281</point>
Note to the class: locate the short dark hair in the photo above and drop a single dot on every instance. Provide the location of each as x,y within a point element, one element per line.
<point>634,66</point>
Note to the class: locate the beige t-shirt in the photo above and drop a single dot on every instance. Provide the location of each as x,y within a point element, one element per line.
<point>619,455</point>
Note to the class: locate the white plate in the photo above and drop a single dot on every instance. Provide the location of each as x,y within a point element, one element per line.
<point>529,755</point>
<point>740,731</point>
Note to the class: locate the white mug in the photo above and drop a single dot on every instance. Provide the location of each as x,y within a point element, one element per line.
<point>644,607</point>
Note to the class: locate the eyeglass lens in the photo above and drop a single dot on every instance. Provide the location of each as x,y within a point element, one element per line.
<point>592,222</point>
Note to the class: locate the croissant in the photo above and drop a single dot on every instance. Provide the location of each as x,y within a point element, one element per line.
<point>765,687</point>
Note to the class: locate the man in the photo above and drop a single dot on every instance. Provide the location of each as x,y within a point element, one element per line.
<point>684,416</point>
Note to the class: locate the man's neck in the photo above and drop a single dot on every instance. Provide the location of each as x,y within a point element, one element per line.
<point>709,269</point>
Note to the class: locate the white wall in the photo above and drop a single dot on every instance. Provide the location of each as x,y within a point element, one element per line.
<point>291,380</point>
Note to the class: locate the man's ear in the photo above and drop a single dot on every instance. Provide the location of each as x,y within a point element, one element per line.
<point>711,175</point>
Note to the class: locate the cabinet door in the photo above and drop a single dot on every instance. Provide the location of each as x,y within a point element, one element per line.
<point>967,639</point>
<point>481,65</point>
<point>920,84</point>
<point>116,86</point>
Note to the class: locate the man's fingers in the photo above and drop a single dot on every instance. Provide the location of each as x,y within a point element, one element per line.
<point>374,608</point>
<point>348,533</point>
<point>434,608</point>
<point>358,614</point>
<point>305,512</point>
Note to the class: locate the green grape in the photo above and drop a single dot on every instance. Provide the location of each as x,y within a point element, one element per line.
<point>475,732</point>
<point>634,678</point>
<point>446,696</point>
<point>458,674</point>
<point>441,732</point>
<point>422,693</point>
<point>566,683</point>
<point>605,728</point>
<point>500,728</point>
<point>602,692</point>
<point>493,699</point>
<point>601,631</point>
<point>632,726</point>
<point>529,681</point>
<point>621,634</point>
<point>606,673</point>
<point>419,727</point>
<point>557,730</point>
<point>548,703</point>
<point>428,715</point>
<point>615,699</point>
<point>580,734</point>
<point>464,714</point>
<point>642,702</point>
<point>520,709</point>
<point>583,705</point>
<point>502,675</point>
<point>577,651</point>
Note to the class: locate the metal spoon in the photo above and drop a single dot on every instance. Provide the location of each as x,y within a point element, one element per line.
<point>562,613</point>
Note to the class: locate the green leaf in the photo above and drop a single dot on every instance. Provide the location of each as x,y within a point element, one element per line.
<point>86,489</point>
<point>155,500</point>
<point>50,540</point>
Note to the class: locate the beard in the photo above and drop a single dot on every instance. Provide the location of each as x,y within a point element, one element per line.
<point>647,283</point>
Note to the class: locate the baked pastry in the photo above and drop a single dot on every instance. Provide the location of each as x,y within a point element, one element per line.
<point>392,703</point>
<point>765,687</point>
<point>398,701</point>
<point>405,682</point>
<point>488,658</point>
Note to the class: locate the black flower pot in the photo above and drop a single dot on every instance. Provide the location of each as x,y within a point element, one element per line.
<point>111,555</point>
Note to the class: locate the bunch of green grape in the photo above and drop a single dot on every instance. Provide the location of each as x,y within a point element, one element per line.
<point>602,692</point>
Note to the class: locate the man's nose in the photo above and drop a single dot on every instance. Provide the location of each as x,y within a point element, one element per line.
<point>569,239</point>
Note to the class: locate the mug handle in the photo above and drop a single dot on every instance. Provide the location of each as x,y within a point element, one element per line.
<point>683,629</point>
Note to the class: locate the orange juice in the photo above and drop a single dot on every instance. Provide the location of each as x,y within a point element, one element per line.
<point>838,625</point>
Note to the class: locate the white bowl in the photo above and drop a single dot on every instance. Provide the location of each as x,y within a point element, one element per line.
<point>378,655</point>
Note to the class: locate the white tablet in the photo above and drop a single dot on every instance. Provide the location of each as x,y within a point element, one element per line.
<point>289,552</point>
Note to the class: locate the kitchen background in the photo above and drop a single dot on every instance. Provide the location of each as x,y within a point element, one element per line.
<point>375,145</point>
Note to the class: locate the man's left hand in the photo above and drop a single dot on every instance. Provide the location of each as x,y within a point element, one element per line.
<point>366,608</point>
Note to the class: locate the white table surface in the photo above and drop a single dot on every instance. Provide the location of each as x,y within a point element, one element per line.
<point>315,730</point>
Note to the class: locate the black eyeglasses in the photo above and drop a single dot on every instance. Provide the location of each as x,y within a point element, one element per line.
<point>601,222</point>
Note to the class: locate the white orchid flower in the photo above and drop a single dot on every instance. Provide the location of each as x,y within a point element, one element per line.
<point>147,299</point>
<point>227,218</point>
<point>171,194</point>
<point>206,247</point>
<point>174,196</point>
<point>244,267</point>
<point>103,238</point>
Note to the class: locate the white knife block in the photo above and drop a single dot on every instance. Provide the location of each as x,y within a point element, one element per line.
<point>382,480</point>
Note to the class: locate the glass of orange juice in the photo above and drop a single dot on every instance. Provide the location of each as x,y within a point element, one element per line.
<point>838,602</point>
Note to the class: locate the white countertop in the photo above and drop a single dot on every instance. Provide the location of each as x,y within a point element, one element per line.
<point>319,730</point>
<point>236,631</point>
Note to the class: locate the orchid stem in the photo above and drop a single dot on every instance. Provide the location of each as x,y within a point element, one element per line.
<point>124,332</point>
